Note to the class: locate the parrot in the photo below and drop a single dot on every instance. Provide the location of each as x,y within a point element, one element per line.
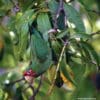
<point>42,60</point>
<point>41,54</point>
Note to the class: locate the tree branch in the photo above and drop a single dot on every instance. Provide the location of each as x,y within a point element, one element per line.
<point>22,79</point>
<point>37,89</point>
<point>92,34</point>
<point>95,33</point>
<point>57,68</point>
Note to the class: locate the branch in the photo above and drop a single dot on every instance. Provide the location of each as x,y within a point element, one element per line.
<point>98,32</point>
<point>58,66</point>
<point>12,83</point>
<point>16,7</point>
<point>92,34</point>
<point>94,11</point>
<point>37,89</point>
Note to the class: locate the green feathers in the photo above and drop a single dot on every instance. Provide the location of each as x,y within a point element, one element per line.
<point>41,53</point>
<point>39,46</point>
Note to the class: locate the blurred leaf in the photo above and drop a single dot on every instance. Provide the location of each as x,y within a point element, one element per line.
<point>61,21</point>
<point>6,5</point>
<point>82,36</point>
<point>74,17</point>
<point>57,47</point>
<point>18,94</point>
<point>53,5</point>
<point>22,22</point>
<point>62,34</point>
<point>89,50</point>
<point>85,89</point>
<point>25,18</point>
<point>66,72</point>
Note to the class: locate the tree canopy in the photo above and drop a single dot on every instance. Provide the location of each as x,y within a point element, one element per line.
<point>49,49</point>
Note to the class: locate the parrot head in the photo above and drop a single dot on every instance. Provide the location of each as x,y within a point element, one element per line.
<point>29,75</point>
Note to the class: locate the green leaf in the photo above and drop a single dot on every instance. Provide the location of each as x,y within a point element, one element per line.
<point>53,5</point>
<point>24,18</point>
<point>85,89</point>
<point>61,21</point>
<point>21,25</point>
<point>56,46</point>
<point>18,94</point>
<point>83,36</point>
<point>65,70</point>
<point>74,17</point>
<point>89,50</point>
<point>62,34</point>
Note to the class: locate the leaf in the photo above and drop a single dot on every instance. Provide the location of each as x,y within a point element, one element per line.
<point>53,5</point>
<point>61,21</point>
<point>89,50</point>
<point>82,36</point>
<point>56,46</point>
<point>74,17</point>
<point>21,25</point>
<point>85,89</point>
<point>62,34</point>
<point>7,53</point>
<point>24,18</point>
<point>66,72</point>
<point>18,93</point>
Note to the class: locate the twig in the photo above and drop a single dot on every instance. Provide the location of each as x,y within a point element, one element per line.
<point>57,69</point>
<point>12,83</point>
<point>92,34</point>
<point>37,89</point>
<point>98,32</point>
<point>16,7</point>
<point>94,11</point>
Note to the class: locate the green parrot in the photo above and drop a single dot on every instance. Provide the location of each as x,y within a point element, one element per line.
<point>41,54</point>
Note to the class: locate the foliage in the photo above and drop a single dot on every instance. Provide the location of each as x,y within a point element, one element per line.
<point>48,41</point>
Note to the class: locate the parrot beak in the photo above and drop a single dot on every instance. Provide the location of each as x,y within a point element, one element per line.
<point>29,75</point>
